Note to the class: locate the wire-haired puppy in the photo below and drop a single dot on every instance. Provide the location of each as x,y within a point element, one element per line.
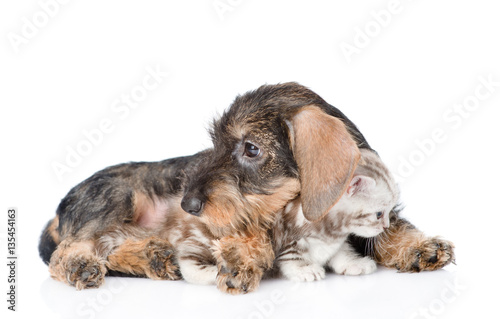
<point>271,145</point>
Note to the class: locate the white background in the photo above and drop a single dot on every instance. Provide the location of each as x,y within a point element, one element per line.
<point>400,86</point>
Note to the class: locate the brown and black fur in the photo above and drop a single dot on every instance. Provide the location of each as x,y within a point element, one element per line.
<point>106,213</point>
<point>120,219</point>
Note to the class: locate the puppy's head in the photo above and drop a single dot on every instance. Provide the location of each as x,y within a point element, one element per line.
<point>269,146</point>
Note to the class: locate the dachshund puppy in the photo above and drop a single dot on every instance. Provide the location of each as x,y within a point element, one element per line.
<point>272,145</point>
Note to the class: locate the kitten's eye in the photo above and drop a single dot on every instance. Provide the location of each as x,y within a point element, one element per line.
<point>380,215</point>
<point>251,150</point>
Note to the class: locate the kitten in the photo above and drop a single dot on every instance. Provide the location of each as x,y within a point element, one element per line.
<point>304,249</point>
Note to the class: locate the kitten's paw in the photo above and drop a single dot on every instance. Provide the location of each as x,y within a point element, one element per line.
<point>355,267</point>
<point>432,254</point>
<point>198,271</point>
<point>302,272</point>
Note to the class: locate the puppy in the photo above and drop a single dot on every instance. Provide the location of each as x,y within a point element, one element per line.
<point>271,145</point>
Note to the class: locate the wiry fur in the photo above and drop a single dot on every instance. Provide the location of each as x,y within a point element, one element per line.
<point>76,263</point>
<point>128,218</point>
<point>412,252</point>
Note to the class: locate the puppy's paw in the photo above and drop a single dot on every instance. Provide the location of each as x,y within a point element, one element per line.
<point>241,262</point>
<point>431,254</point>
<point>302,272</point>
<point>162,262</point>
<point>84,273</point>
<point>238,279</point>
<point>355,267</point>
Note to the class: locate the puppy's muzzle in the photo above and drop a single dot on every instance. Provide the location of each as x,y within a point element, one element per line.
<point>192,205</point>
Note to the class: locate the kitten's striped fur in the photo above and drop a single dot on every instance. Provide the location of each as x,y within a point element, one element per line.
<point>304,249</point>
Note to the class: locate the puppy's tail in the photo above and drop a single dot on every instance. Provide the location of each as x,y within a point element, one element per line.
<point>49,240</point>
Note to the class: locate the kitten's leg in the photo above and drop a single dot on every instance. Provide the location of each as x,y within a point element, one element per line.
<point>196,262</point>
<point>197,271</point>
<point>298,270</point>
<point>293,266</point>
<point>347,262</point>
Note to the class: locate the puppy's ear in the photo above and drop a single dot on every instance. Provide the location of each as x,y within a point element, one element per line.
<point>326,156</point>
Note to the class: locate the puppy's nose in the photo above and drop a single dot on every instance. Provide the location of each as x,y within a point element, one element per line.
<point>192,205</point>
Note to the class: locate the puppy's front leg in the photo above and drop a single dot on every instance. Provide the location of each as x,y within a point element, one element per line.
<point>242,261</point>
<point>404,247</point>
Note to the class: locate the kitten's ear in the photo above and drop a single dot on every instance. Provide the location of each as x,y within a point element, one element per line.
<point>360,184</point>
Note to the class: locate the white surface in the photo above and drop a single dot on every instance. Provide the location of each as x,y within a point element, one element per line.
<point>398,89</point>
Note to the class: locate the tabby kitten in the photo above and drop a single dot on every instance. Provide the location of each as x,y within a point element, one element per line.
<point>304,248</point>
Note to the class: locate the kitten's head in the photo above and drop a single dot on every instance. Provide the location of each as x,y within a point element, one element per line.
<point>371,196</point>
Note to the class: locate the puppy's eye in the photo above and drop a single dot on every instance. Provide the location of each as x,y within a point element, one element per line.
<point>380,215</point>
<point>251,150</point>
